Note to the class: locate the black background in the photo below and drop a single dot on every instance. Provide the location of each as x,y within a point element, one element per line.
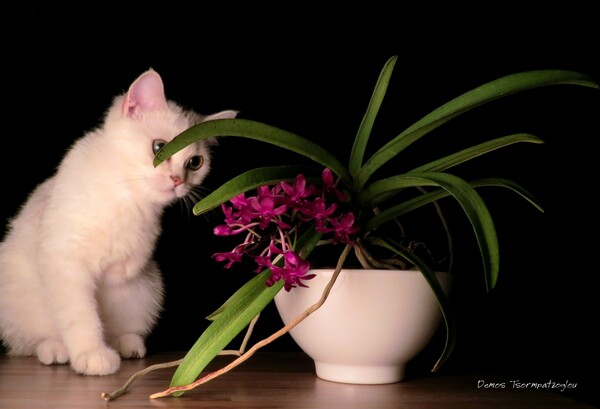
<point>312,72</point>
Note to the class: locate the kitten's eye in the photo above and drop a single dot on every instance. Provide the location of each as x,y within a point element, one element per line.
<point>195,162</point>
<point>157,144</point>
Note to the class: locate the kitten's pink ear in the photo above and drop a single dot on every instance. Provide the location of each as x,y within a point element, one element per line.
<point>146,93</point>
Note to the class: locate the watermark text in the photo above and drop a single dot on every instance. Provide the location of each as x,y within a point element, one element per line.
<point>549,384</point>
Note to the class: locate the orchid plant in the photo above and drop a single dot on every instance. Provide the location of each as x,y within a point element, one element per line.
<point>344,205</point>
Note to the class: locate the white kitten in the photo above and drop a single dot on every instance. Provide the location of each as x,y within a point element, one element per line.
<point>77,280</point>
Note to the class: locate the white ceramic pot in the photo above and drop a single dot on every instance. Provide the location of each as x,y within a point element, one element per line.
<point>373,323</point>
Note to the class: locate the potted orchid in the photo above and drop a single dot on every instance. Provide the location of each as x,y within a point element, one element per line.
<point>284,215</point>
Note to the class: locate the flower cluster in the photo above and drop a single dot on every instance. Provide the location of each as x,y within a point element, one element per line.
<point>273,219</point>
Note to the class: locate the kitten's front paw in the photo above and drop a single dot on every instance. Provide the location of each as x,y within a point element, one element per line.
<point>52,351</point>
<point>99,361</point>
<point>129,346</point>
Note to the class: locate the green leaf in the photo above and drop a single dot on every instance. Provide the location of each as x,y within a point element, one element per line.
<point>364,131</point>
<point>253,130</point>
<point>377,192</point>
<point>249,180</point>
<point>468,154</point>
<point>509,184</point>
<point>230,320</point>
<point>409,205</point>
<point>475,151</point>
<point>404,207</point>
<point>233,316</point>
<point>472,204</point>
<point>491,91</point>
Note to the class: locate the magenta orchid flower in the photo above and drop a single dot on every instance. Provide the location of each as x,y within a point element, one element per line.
<point>280,212</point>
<point>293,272</point>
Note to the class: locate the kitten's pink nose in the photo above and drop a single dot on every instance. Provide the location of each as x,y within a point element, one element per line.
<point>177,180</point>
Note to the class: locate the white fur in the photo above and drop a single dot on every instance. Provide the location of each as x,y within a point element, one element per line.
<point>77,280</point>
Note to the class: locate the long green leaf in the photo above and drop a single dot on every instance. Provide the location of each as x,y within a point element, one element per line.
<point>509,184</point>
<point>409,205</point>
<point>366,125</point>
<point>379,191</point>
<point>472,152</point>
<point>235,315</point>
<point>253,130</point>
<point>240,309</point>
<point>475,151</point>
<point>472,204</point>
<point>493,90</point>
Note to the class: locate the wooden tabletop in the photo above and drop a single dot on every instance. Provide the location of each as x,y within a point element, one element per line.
<point>266,380</point>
